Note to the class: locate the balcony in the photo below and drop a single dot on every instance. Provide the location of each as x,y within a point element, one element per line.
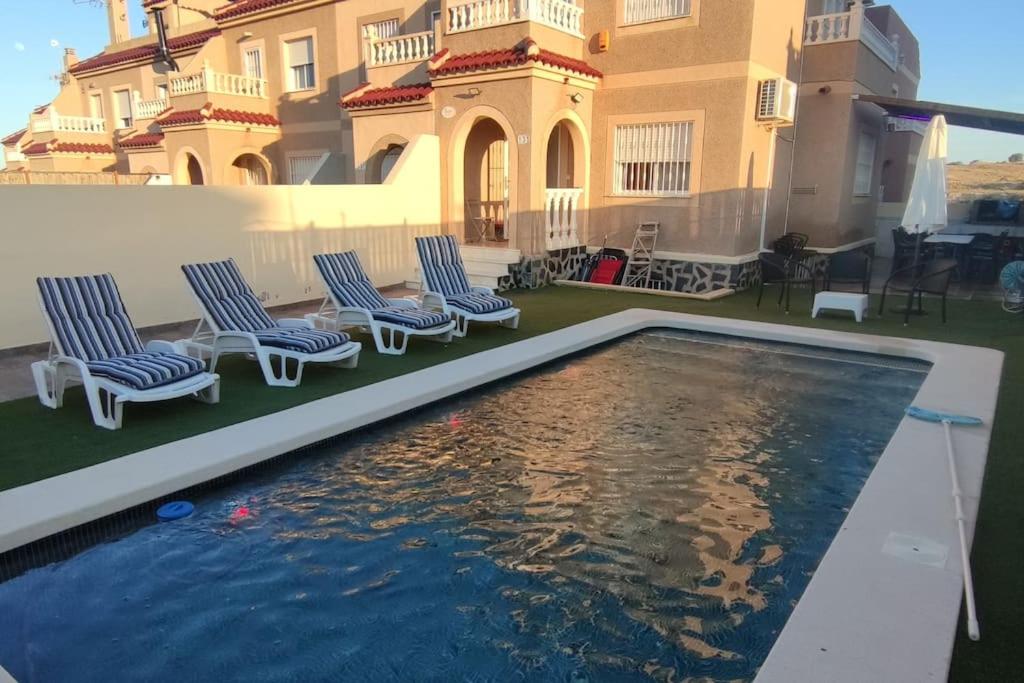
<point>403,49</point>
<point>477,14</point>
<point>208,81</point>
<point>853,26</point>
<point>51,122</point>
<point>561,208</point>
<point>150,109</point>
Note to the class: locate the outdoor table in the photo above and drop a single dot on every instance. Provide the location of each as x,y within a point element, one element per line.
<point>958,244</point>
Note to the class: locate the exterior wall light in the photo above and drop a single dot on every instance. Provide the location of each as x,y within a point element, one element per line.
<point>474,92</point>
<point>576,97</point>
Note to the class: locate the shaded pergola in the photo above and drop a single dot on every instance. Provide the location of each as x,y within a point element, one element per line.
<point>956,115</point>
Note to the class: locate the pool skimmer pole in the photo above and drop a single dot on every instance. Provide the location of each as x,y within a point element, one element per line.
<point>948,420</point>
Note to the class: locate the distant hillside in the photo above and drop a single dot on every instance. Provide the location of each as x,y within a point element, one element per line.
<point>985,181</point>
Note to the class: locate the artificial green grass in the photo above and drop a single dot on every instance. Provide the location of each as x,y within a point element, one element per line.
<point>40,443</point>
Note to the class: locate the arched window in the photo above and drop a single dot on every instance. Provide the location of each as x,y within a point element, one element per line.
<point>194,171</point>
<point>388,161</point>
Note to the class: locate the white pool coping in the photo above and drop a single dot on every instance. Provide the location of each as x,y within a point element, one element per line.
<point>866,614</point>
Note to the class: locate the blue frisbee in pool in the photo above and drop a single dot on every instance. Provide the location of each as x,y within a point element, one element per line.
<point>178,509</point>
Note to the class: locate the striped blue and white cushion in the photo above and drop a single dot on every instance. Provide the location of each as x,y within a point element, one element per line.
<point>413,318</point>
<point>441,265</point>
<point>88,317</point>
<point>227,297</point>
<point>478,302</point>
<point>348,282</point>
<point>301,339</point>
<point>147,370</point>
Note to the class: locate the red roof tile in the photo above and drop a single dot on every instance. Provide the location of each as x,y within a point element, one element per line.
<point>379,97</point>
<point>104,59</point>
<point>142,140</point>
<point>240,8</point>
<point>210,113</point>
<point>13,137</point>
<point>37,148</point>
<point>520,55</point>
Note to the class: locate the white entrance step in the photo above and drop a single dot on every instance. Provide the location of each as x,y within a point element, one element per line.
<point>480,254</point>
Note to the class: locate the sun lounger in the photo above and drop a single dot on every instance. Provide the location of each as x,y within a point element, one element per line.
<point>93,342</point>
<point>446,287</point>
<point>353,301</point>
<point>234,321</point>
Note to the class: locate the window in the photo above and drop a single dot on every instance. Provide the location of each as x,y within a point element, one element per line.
<point>435,19</point>
<point>642,11</point>
<point>834,6</point>
<point>653,159</point>
<point>302,167</point>
<point>96,105</point>
<point>162,92</point>
<point>253,62</point>
<point>300,64</point>
<point>865,166</point>
<point>123,108</point>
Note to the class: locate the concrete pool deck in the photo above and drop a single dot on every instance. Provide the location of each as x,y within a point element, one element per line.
<point>872,611</point>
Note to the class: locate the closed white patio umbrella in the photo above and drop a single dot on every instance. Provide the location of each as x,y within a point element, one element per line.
<point>926,207</point>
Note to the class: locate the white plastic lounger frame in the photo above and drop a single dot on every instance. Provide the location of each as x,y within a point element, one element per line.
<point>389,337</point>
<point>454,271</point>
<point>107,397</point>
<point>210,340</point>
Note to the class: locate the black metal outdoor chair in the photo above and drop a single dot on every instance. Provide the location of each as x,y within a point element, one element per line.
<point>985,254</point>
<point>904,245</point>
<point>785,271</point>
<point>790,244</point>
<point>931,277</point>
<point>849,268</point>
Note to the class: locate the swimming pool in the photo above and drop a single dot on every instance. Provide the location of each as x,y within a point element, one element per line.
<point>654,506</point>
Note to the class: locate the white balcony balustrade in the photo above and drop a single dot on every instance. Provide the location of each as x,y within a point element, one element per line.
<point>52,122</point>
<point>207,80</point>
<point>477,14</point>
<point>853,26</point>
<point>561,217</point>
<point>401,49</point>
<point>150,109</point>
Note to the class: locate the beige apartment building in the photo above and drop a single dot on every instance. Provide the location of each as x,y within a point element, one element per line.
<point>562,124</point>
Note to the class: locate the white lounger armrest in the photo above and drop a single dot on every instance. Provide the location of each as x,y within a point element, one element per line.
<point>300,323</point>
<point>482,290</point>
<point>433,300</point>
<point>402,303</point>
<point>164,346</point>
<point>354,315</point>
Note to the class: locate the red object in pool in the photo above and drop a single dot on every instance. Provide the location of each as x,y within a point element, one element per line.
<point>240,513</point>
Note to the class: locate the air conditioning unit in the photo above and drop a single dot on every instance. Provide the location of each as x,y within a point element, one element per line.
<point>776,101</point>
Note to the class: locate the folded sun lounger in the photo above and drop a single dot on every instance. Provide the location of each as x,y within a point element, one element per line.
<point>353,301</point>
<point>446,287</point>
<point>94,342</point>
<point>234,321</point>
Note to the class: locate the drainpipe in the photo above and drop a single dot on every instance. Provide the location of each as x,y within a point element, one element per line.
<point>796,120</point>
<point>768,185</point>
<point>163,52</point>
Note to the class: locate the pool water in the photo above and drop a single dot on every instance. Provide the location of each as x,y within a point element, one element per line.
<point>650,510</point>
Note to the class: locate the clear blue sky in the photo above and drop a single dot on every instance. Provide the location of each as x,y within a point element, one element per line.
<point>971,55</point>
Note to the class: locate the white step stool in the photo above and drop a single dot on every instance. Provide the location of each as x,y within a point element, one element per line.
<point>841,301</point>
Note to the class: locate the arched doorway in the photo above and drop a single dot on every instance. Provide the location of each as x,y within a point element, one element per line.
<point>250,169</point>
<point>565,180</point>
<point>486,183</point>
<point>193,170</point>
<point>383,161</point>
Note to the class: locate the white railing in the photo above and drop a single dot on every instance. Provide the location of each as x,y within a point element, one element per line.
<point>412,47</point>
<point>476,14</point>
<point>561,211</point>
<point>71,178</point>
<point>51,121</point>
<point>853,26</point>
<point>644,11</point>
<point>149,109</point>
<point>207,80</point>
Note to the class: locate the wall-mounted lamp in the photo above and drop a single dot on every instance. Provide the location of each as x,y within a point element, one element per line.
<point>474,92</point>
<point>576,97</point>
<point>825,89</point>
<point>247,35</point>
